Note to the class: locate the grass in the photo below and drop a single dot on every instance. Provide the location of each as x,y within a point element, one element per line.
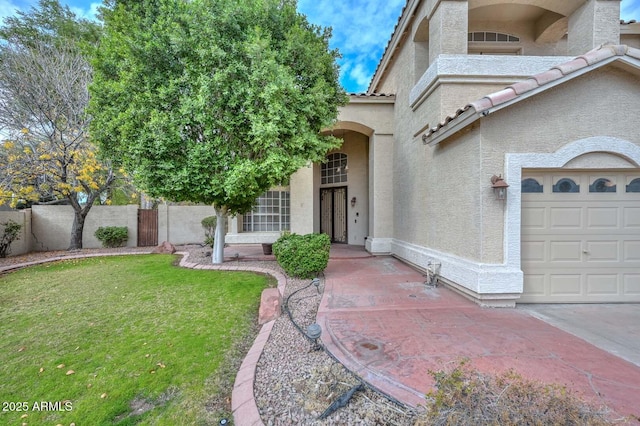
<point>121,340</point>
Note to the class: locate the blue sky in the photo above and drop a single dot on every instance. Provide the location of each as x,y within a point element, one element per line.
<point>361,28</point>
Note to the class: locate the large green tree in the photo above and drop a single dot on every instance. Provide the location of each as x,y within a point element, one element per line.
<point>213,101</point>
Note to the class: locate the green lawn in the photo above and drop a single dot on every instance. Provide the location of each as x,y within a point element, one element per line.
<point>96,341</point>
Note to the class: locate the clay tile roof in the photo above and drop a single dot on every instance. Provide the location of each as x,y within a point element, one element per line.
<point>538,81</point>
<point>372,95</point>
<point>574,65</point>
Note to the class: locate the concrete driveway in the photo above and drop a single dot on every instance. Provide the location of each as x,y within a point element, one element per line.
<point>614,328</point>
<point>381,321</point>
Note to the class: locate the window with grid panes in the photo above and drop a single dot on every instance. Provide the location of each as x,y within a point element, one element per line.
<point>272,213</point>
<point>334,170</point>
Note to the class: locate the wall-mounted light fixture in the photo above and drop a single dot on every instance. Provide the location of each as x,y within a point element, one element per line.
<point>499,187</point>
<point>353,202</point>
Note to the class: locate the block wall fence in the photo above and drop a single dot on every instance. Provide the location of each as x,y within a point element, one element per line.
<point>47,228</point>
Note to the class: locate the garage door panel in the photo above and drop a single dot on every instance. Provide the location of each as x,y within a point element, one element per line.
<point>534,218</point>
<point>535,284</point>
<point>583,246</point>
<point>565,251</point>
<point>631,250</point>
<point>565,284</point>
<point>631,217</point>
<point>601,217</point>
<point>561,218</point>
<point>602,284</point>
<point>533,251</point>
<point>602,251</point>
<point>631,284</point>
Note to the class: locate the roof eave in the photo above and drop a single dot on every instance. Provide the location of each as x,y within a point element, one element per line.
<point>471,115</point>
<point>396,39</point>
<point>466,119</point>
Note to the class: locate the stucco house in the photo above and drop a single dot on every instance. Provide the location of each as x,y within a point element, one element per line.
<point>543,94</point>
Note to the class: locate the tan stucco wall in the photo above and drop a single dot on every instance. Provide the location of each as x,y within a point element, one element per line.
<point>367,117</point>
<point>183,223</point>
<point>456,212</point>
<point>381,206</point>
<point>602,103</point>
<point>595,23</point>
<point>302,201</point>
<point>631,40</point>
<point>448,29</point>
<point>51,225</point>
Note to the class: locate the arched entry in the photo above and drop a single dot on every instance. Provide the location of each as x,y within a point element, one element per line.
<point>333,199</point>
<point>342,188</point>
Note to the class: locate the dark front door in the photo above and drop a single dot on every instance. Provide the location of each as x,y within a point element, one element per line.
<point>333,213</point>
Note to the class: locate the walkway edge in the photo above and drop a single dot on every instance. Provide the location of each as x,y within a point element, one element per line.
<point>243,402</point>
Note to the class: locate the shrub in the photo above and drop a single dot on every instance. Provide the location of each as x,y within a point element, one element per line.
<point>468,397</point>
<point>209,225</point>
<point>112,236</point>
<point>10,234</point>
<point>302,256</point>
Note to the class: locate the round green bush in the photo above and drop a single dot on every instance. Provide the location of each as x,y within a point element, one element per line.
<point>302,256</point>
<point>112,236</point>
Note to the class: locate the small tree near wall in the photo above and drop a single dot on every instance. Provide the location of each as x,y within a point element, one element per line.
<point>10,234</point>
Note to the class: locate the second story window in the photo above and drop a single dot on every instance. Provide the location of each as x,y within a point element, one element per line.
<point>492,43</point>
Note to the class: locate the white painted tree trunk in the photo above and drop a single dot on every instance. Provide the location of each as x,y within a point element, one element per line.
<point>217,256</point>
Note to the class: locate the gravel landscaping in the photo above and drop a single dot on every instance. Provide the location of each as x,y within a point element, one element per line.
<point>295,381</point>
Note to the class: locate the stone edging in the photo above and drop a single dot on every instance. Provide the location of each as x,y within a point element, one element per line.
<point>243,403</point>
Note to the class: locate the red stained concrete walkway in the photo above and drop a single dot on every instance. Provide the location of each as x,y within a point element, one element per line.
<point>382,322</point>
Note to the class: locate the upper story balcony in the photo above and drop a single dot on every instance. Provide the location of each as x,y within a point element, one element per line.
<point>478,70</point>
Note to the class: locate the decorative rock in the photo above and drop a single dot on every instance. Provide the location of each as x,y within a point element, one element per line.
<point>165,248</point>
<point>270,304</point>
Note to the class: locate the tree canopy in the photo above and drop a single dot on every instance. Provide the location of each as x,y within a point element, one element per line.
<point>213,101</point>
<point>46,154</point>
<point>49,23</point>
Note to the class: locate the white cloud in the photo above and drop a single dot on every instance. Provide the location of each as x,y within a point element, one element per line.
<point>361,31</point>
<point>89,13</point>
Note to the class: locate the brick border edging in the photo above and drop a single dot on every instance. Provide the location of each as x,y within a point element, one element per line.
<point>243,402</point>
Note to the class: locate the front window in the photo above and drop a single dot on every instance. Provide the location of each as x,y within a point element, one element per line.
<point>272,213</point>
<point>335,169</point>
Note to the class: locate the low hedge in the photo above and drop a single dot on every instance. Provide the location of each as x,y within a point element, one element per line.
<point>112,236</point>
<point>302,256</point>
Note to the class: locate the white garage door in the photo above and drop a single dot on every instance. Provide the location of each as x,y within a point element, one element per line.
<point>581,236</point>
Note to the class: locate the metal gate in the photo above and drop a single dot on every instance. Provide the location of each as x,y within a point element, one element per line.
<point>147,228</point>
<point>333,213</point>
